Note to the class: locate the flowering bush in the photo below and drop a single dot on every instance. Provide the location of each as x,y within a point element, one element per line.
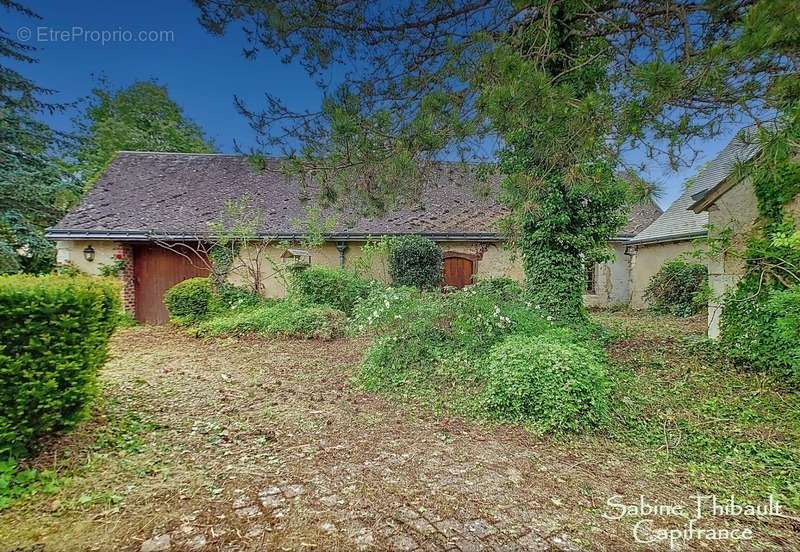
<point>436,345</point>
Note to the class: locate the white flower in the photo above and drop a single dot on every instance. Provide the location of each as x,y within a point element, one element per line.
<point>549,317</point>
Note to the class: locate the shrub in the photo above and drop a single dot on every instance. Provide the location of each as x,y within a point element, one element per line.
<point>549,381</point>
<point>431,341</point>
<point>762,331</point>
<point>189,301</point>
<point>54,333</point>
<point>278,318</point>
<point>678,288</point>
<point>334,288</point>
<point>404,360</point>
<point>386,308</point>
<point>227,297</point>
<point>415,261</point>
<point>504,289</point>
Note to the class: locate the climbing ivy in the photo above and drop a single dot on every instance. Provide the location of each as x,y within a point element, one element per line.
<point>766,301</point>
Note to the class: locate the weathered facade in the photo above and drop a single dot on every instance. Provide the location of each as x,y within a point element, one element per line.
<point>732,208</point>
<point>676,233</point>
<point>147,200</point>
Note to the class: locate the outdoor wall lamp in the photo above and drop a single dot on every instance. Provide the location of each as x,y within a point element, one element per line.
<point>88,253</point>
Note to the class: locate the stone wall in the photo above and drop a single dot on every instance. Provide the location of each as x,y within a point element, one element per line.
<point>735,210</point>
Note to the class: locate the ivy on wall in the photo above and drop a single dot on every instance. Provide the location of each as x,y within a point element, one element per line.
<point>757,322</point>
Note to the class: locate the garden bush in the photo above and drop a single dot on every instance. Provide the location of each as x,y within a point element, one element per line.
<point>405,361</point>
<point>54,333</point>
<point>762,331</point>
<point>226,296</point>
<point>277,318</point>
<point>415,261</point>
<point>505,289</point>
<point>197,299</point>
<point>189,301</point>
<point>678,288</point>
<point>386,308</point>
<point>549,381</point>
<point>334,288</point>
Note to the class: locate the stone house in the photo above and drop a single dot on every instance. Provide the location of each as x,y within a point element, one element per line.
<point>731,206</point>
<point>145,200</point>
<point>675,234</point>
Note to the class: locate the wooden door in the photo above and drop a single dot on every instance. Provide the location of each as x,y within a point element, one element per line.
<point>458,271</point>
<point>155,270</point>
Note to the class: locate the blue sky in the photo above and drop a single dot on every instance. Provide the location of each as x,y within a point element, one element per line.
<point>202,72</point>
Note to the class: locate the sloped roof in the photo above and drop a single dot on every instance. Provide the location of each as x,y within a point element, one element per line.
<point>679,221</point>
<point>178,194</point>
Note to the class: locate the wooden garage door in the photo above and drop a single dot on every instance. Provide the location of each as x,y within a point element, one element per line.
<point>155,270</point>
<point>458,271</point>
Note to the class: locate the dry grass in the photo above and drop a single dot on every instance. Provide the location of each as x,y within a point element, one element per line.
<point>189,432</point>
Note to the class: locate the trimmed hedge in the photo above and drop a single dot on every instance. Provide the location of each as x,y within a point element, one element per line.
<point>54,333</point>
<point>189,301</point>
<point>415,261</point>
<point>330,287</point>
<point>547,380</point>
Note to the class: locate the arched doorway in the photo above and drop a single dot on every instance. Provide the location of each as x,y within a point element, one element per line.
<point>459,269</point>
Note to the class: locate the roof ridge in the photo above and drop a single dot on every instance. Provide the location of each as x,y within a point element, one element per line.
<point>267,157</point>
<point>181,153</point>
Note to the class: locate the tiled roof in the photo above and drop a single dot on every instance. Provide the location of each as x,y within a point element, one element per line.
<point>678,221</point>
<point>179,194</point>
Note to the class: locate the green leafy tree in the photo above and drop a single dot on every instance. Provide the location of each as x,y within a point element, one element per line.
<point>35,188</point>
<point>566,87</point>
<point>141,117</point>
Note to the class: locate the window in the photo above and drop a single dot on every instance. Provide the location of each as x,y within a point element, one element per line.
<point>591,279</point>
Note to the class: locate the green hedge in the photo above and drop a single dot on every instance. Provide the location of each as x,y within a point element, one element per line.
<point>330,287</point>
<point>189,301</point>
<point>415,261</point>
<point>547,380</point>
<point>54,333</point>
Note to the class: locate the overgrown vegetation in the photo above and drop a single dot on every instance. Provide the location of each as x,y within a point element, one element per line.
<point>550,380</point>
<point>450,347</point>
<point>210,310</point>
<point>678,288</point>
<point>281,318</point>
<point>339,289</point>
<point>54,333</point>
<point>761,329</point>
<point>759,322</point>
<point>415,261</point>
<point>682,408</point>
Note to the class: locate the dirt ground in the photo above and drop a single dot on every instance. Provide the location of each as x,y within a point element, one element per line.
<point>246,444</point>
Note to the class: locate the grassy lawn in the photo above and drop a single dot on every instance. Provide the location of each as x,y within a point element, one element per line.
<point>248,444</point>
